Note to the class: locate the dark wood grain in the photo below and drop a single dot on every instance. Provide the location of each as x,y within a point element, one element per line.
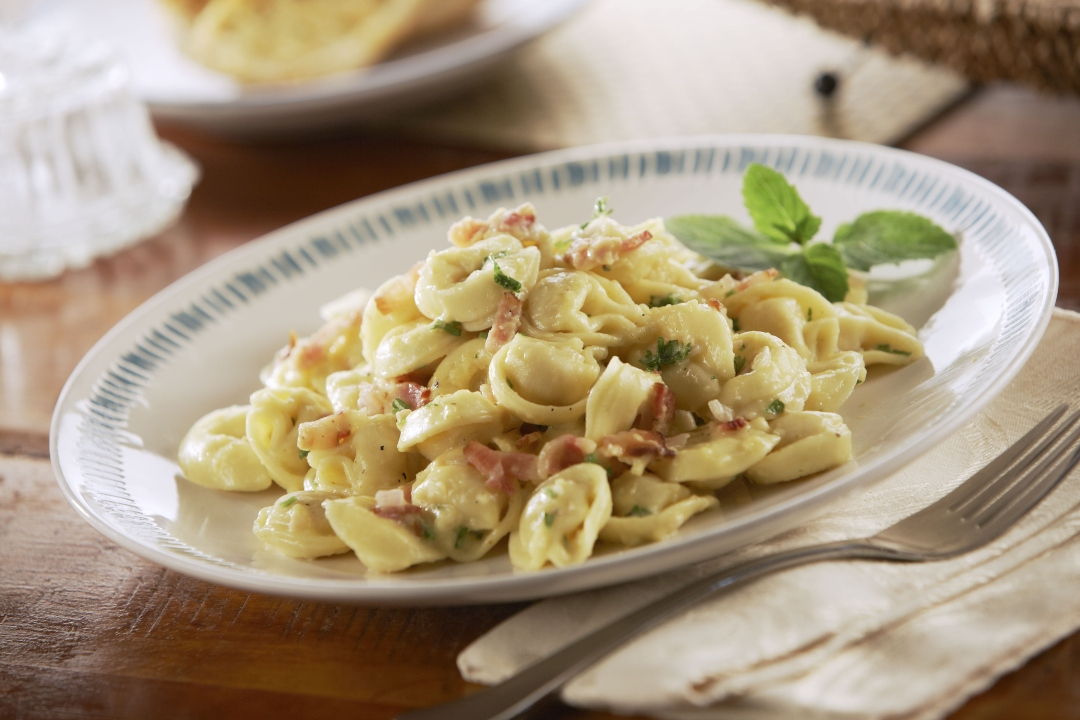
<point>88,630</point>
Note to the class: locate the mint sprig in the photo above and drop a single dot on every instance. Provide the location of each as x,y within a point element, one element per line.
<point>775,206</point>
<point>889,236</point>
<point>783,230</point>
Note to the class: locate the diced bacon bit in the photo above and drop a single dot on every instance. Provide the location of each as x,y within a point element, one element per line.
<point>325,433</point>
<point>588,252</point>
<point>506,322</point>
<point>530,442</point>
<point>758,277</point>
<point>729,426</point>
<point>467,231</point>
<point>312,350</point>
<point>630,445</point>
<point>562,452</point>
<point>412,394</point>
<point>519,223</point>
<point>501,470</point>
<point>659,409</point>
<point>397,293</point>
<point>716,305</point>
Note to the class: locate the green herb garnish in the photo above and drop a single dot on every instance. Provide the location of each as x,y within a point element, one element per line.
<point>885,347</point>
<point>303,454</point>
<point>398,405</point>
<point>453,327</point>
<point>505,280</point>
<point>291,500</point>
<point>549,518</point>
<point>668,352</point>
<point>662,300</point>
<point>638,511</point>
<point>776,407</point>
<point>783,228</point>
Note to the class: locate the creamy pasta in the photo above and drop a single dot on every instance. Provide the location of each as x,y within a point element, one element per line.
<point>550,391</point>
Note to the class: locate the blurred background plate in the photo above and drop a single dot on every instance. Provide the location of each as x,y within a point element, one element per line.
<point>178,89</point>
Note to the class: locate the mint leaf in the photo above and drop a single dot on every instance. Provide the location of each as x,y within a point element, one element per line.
<point>726,242</point>
<point>775,206</point>
<point>820,267</point>
<point>890,236</point>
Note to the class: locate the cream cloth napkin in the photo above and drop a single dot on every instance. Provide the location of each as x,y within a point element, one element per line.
<point>845,639</point>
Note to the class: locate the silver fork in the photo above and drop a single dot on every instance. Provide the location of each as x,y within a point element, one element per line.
<point>979,510</point>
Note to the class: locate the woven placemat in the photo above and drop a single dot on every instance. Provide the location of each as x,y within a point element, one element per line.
<point>630,69</point>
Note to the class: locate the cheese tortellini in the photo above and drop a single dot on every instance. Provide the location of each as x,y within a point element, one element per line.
<point>547,395</point>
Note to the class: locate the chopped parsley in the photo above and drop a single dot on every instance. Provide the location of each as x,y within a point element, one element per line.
<point>504,280</point>
<point>549,518</point>
<point>638,511</point>
<point>668,352</point>
<point>550,493</point>
<point>776,407</point>
<point>809,314</point>
<point>600,209</point>
<point>291,500</point>
<point>303,454</point>
<point>453,327</point>
<point>426,532</point>
<point>398,405</point>
<point>886,347</point>
<point>662,300</point>
<point>740,362</point>
<point>483,334</point>
<point>463,533</point>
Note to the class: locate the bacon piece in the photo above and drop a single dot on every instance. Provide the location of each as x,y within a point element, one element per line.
<point>506,322</point>
<point>587,252</point>
<point>530,441</point>
<point>758,277</point>
<point>412,394</point>
<point>501,470</point>
<point>325,433</point>
<point>562,452</point>
<point>635,444</point>
<point>729,426</point>
<point>659,409</point>
<point>519,223</point>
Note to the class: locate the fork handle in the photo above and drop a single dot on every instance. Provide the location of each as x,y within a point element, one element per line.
<point>517,694</point>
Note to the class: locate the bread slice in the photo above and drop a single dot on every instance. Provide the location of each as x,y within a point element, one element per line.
<point>268,41</point>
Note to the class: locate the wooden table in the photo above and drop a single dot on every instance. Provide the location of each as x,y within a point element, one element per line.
<point>88,630</point>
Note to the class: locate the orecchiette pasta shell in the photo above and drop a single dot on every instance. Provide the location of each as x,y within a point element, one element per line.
<point>392,304</point>
<point>810,442</point>
<point>562,519</point>
<point>616,399</point>
<point>215,453</point>
<point>714,462</point>
<point>470,517</point>
<point>450,421</point>
<point>772,372</point>
<point>462,283</point>
<point>296,526</point>
<point>271,429</point>
<point>542,382</point>
<point>410,347</point>
<point>360,455</point>
<point>382,544</point>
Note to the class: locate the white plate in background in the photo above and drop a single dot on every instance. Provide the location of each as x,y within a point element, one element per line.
<point>179,89</point>
<point>198,345</point>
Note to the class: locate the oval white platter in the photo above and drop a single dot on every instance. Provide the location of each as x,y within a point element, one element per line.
<point>179,89</point>
<point>198,345</point>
